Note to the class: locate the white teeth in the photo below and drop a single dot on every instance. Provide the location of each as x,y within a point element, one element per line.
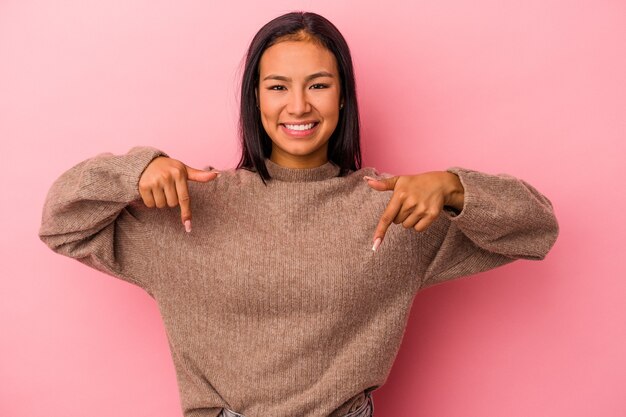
<point>300,127</point>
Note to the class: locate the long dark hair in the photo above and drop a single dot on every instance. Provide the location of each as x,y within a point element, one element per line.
<point>344,144</point>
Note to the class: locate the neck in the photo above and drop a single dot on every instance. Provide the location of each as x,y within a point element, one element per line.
<point>298,162</point>
<point>282,173</point>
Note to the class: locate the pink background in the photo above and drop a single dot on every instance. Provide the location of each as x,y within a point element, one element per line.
<point>536,89</point>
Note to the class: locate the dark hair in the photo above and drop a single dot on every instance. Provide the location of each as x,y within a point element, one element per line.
<point>344,144</point>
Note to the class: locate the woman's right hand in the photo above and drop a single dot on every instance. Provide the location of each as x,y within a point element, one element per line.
<point>164,183</point>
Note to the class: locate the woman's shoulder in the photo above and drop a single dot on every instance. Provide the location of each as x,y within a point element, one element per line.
<point>370,172</point>
<point>233,172</point>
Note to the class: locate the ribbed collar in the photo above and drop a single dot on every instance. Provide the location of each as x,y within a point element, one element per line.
<point>322,172</point>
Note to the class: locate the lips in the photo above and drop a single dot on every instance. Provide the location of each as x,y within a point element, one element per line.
<point>299,129</point>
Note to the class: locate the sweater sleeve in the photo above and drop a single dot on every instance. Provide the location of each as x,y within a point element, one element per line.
<point>90,214</point>
<point>503,219</point>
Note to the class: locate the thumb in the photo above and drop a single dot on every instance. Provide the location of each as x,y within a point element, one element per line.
<point>194,174</point>
<point>382,184</point>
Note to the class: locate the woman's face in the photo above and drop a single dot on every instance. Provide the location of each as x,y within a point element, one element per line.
<point>299,98</point>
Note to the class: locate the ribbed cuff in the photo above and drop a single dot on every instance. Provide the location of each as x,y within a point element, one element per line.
<point>135,163</point>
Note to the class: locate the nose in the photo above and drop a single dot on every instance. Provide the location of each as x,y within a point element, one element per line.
<point>298,103</point>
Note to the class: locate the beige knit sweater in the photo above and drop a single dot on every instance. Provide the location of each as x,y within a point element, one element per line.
<point>275,304</point>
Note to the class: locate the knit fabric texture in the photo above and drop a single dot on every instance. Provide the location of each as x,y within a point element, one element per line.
<point>275,304</point>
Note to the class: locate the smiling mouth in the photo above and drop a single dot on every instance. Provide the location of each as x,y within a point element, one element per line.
<point>300,127</point>
<point>299,130</point>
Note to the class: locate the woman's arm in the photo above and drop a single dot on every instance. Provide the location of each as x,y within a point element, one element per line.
<point>502,219</point>
<point>88,215</point>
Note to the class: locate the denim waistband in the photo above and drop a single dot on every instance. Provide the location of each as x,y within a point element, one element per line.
<point>365,410</point>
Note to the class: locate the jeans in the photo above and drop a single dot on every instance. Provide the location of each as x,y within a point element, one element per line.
<point>365,410</point>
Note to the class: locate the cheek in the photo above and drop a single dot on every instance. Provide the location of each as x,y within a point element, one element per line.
<point>267,124</point>
<point>329,106</point>
<point>263,122</point>
<point>269,110</point>
<point>331,113</point>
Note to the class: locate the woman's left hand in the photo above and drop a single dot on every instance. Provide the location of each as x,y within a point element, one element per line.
<point>417,200</point>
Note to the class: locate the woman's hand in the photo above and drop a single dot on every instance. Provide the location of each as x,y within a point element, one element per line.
<point>164,182</point>
<point>417,200</point>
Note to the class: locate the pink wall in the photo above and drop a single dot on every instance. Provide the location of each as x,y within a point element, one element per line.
<point>535,89</point>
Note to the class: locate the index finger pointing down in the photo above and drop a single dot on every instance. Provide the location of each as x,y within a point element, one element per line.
<point>183,199</point>
<point>390,213</point>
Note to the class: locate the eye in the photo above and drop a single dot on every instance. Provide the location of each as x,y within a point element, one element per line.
<point>319,86</point>
<point>276,87</point>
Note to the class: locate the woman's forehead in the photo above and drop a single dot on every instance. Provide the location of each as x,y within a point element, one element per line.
<point>296,59</point>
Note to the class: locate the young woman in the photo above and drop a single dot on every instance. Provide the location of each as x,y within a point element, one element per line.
<point>288,290</point>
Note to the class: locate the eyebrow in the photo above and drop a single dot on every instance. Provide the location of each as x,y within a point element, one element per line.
<point>309,78</point>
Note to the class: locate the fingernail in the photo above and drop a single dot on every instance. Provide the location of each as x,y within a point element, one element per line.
<point>369,178</point>
<point>376,244</point>
<point>188,225</point>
